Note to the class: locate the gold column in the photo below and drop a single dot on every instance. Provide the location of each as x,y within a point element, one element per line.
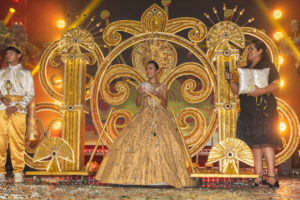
<point>226,103</point>
<point>74,108</point>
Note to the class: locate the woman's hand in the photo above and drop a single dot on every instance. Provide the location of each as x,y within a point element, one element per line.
<point>140,90</point>
<point>257,92</point>
<point>157,94</point>
<point>228,75</point>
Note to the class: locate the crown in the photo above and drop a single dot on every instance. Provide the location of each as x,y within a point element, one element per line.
<point>14,45</point>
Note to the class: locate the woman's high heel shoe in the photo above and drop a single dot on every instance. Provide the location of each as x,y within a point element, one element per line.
<point>276,184</point>
<point>260,183</point>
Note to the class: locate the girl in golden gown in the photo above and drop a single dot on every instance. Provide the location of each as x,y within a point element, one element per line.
<point>149,150</point>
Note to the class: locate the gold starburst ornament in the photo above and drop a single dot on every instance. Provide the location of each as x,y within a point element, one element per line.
<point>228,151</point>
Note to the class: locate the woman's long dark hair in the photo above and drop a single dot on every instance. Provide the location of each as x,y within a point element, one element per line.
<point>261,45</point>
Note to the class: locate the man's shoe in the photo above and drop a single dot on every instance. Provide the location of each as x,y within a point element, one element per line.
<point>18,177</point>
<point>2,178</point>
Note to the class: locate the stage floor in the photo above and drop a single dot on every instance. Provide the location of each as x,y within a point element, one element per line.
<point>290,189</point>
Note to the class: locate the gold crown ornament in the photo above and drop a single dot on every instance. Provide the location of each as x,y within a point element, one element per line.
<point>14,45</point>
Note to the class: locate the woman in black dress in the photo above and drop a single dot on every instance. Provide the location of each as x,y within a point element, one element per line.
<point>258,120</point>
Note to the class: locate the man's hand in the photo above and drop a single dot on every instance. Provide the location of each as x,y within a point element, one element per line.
<point>11,110</point>
<point>5,100</point>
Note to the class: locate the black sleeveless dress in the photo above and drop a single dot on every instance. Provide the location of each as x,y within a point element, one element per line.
<point>258,125</point>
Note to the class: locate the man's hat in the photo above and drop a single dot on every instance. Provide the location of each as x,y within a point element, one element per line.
<point>15,46</point>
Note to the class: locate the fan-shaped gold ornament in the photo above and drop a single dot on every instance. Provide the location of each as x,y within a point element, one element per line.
<point>56,148</point>
<point>229,151</point>
<point>225,31</point>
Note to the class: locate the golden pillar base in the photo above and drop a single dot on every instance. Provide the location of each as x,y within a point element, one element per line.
<point>215,173</point>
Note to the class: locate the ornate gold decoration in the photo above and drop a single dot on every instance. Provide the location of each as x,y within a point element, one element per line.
<point>112,130</point>
<point>44,133</point>
<point>158,50</point>
<point>8,86</point>
<point>154,19</point>
<point>103,78</point>
<point>224,32</point>
<point>56,148</point>
<point>228,151</point>
<point>200,124</point>
<point>17,46</point>
<point>55,83</point>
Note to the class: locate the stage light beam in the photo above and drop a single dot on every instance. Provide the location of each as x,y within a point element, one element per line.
<point>9,15</point>
<point>277,14</point>
<point>262,5</point>
<point>61,24</point>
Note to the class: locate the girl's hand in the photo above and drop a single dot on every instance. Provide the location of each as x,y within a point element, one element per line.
<point>157,94</point>
<point>140,90</point>
<point>257,92</point>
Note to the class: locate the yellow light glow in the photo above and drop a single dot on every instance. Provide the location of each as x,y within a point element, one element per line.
<point>280,60</point>
<point>278,35</point>
<point>263,7</point>
<point>282,126</point>
<point>57,125</point>
<point>59,81</point>
<point>58,102</point>
<point>281,83</point>
<point>277,14</point>
<point>9,15</point>
<point>61,24</point>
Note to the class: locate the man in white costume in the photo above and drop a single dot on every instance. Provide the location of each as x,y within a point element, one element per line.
<point>17,91</point>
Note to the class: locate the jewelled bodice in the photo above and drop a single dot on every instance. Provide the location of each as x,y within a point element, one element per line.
<point>149,101</point>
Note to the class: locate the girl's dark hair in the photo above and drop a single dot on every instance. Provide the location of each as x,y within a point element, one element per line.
<point>261,45</point>
<point>14,49</point>
<point>154,63</point>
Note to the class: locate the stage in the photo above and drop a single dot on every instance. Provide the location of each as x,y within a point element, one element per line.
<point>289,189</point>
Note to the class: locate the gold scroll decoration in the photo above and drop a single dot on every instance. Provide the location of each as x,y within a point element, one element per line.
<point>200,124</point>
<point>111,127</point>
<point>154,19</point>
<point>114,72</point>
<point>189,85</point>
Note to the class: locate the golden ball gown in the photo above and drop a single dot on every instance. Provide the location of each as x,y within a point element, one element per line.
<point>148,151</point>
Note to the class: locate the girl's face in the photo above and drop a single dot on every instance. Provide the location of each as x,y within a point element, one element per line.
<point>151,71</point>
<point>253,54</point>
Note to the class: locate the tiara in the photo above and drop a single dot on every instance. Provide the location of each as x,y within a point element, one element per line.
<point>14,45</point>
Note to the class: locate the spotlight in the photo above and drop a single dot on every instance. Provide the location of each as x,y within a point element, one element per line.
<point>12,10</point>
<point>61,24</point>
<point>282,126</point>
<point>278,35</point>
<point>280,60</point>
<point>57,125</point>
<point>277,14</point>
<point>281,83</point>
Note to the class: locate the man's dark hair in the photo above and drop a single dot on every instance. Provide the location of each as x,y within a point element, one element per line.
<point>14,49</point>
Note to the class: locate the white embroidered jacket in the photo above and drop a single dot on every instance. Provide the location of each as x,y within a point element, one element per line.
<point>22,85</point>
